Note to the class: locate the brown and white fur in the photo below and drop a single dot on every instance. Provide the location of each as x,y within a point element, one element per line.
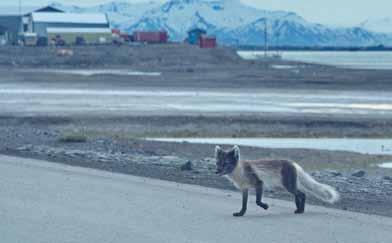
<point>256,174</point>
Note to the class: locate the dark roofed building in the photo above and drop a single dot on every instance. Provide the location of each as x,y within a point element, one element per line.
<point>194,35</point>
<point>49,9</point>
<point>10,28</point>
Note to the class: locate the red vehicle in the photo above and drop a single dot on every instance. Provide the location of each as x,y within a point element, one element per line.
<point>126,37</point>
<point>150,36</point>
<point>116,32</point>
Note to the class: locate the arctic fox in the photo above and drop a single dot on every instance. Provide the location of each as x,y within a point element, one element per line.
<point>247,175</point>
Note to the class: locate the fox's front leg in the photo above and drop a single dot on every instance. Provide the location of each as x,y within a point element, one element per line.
<point>244,204</point>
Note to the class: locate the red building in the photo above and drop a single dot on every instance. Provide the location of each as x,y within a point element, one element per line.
<point>150,36</point>
<point>207,42</point>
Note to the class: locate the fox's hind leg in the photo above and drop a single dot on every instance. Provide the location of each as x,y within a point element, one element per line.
<point>259,195</point>
<point>300,199</point>
<point>290,182</point>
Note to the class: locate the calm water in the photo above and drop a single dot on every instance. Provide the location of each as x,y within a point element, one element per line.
<point>360,59</point>
<point>365,146</point>
<point>24,99</point>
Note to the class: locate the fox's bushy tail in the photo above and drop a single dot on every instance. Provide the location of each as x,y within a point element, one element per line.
<point>321,191</point>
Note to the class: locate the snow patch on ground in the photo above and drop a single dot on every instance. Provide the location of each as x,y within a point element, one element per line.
<point>364,146</point>
<point>387,165</point>
<point>283,66</point>
<point>85,72</point>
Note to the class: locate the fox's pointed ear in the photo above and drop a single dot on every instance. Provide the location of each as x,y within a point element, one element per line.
<point>236,150</point>
<point>218,149</point>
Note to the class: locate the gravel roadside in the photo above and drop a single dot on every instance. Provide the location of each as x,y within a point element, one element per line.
<point>364,188</point>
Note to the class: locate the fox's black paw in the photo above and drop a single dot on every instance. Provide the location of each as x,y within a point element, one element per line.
<point>239,214</point>
<point>299,211</point>
<point>263,205</point>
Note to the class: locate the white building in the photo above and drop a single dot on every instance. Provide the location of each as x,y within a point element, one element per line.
<point>69,26</point>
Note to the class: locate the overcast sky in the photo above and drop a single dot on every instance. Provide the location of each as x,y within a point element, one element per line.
<point>332,12</point>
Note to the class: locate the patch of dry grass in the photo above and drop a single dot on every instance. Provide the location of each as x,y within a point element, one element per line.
<point>74,137</point>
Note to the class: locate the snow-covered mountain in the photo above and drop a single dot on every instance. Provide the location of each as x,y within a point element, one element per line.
<point>381,25</point>
<point>232,22</point>
<point>122,14</point>
<point>294,33</point>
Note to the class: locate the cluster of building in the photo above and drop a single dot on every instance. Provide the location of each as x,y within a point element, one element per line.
<point>199,37</point>
<point>52,26</point>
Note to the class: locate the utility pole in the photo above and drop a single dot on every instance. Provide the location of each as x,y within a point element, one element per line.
<point>265,37</point>
<point>21,19</point>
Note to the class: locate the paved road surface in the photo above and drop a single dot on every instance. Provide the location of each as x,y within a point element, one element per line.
<point>44,202</point>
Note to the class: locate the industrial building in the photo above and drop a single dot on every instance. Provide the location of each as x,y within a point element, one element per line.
<point>10,28</point>
<point>13,24</point>
<point>199,37</point>
<point>93,28</point>
<point>50,23</point>
<point>207,42</point>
